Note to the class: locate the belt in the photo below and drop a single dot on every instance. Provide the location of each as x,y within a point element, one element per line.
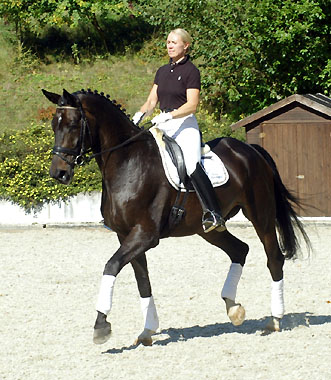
<point>166,110</point>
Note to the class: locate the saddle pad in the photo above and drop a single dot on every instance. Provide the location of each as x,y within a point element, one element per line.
<point>212,164</point>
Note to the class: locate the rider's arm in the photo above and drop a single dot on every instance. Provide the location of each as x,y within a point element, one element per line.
<point>151,102</point>
<point>193,96</point>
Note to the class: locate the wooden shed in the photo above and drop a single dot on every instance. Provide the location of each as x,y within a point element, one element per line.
<point>296,131</point>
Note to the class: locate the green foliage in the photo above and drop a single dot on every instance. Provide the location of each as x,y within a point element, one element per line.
<point>212,127</point>
<point>126,78</point>
<point>25,158</point>
<point>252,53</point>
<point>33,14</point>
<point>75,27</point>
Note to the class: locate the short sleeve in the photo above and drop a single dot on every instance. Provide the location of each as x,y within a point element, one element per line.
<point>157,77</point>
<point>193,79</point>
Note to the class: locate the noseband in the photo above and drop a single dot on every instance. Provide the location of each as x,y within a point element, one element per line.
<point>80,150</point>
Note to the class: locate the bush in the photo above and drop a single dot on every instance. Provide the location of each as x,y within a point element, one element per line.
<point>25,158</point>
<point>212,127</point>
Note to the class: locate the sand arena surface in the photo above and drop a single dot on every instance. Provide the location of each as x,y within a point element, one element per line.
<point>50,279</point>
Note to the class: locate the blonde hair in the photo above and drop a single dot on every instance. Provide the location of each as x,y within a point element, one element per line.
<point>184,35</point>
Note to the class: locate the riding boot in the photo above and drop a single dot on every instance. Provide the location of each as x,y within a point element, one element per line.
<point>212,217</point>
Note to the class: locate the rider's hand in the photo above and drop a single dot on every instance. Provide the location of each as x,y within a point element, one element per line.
<point>161,118</point>
<point>138,117</point>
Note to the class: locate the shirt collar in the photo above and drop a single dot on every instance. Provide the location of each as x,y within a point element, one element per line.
<point>186,58</point>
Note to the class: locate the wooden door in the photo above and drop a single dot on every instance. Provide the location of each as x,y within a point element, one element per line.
<point>302,152</point>
<point>314,164</point>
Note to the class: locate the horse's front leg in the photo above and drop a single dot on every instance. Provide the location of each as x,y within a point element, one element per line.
<point>151,321</point>
<point>235,311</point>
<point>135,244</point>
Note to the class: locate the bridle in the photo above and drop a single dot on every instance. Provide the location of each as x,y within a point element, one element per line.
<point>80,152</point>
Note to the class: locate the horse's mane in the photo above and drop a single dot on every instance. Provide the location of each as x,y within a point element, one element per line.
<point>112,102</point>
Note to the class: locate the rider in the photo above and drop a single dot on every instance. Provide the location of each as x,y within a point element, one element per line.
<point>177,88</point>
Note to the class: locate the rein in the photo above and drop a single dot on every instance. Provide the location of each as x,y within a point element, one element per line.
<point>126,142</point>
<point>79,153</point>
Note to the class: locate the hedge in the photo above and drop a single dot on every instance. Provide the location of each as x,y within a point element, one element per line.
<point>25,158</point>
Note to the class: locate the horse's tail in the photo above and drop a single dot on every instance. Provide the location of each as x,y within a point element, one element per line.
<point>287,220</point>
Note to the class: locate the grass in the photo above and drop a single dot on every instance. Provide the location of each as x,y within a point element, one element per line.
<point>127,79</point>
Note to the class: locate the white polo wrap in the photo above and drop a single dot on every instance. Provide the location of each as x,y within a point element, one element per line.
<point>151,320</point>
<point>231,283</point>
<point>277,299</point>
<point>105,297</point>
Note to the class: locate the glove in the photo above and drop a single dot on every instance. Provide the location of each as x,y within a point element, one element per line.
<point>161,118</point>
<point>138,117</point>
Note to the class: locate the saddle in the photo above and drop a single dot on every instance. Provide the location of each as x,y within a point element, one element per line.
<point>177,157</point>
<point>174,166</point>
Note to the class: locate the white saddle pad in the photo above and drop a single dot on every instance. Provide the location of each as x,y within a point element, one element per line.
<point>212,164</point>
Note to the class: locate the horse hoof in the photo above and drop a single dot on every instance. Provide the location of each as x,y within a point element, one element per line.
<point>237,314</point>
<point>145,338</point>
<point>273,325</point>
<point>102,335</point>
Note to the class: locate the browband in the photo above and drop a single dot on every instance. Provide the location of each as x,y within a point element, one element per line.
<point>67,107</point>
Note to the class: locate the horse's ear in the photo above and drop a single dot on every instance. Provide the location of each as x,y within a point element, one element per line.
<point>70,99</point>
<point>54,98</point>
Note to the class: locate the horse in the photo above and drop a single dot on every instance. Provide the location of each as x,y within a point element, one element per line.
<point>137,200</point>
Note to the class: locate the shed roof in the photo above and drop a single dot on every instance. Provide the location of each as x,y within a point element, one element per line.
<point>316,102</point>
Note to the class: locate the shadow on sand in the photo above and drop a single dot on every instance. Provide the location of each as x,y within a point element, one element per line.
<point>253,326</point>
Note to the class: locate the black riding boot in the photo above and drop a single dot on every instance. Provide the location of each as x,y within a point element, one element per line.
<point>212,217</point>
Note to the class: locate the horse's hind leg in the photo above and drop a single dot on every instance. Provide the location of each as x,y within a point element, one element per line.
<point>266,231</point>
<point>151,321</point>
<point>237,251</point>
<point>275,265</point>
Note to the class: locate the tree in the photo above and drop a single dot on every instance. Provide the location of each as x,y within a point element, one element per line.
<point>32,15</point>
<point>252,53</point>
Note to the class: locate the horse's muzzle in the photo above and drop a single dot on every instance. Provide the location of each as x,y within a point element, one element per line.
<point>61,171</point>
<point>63,176</point>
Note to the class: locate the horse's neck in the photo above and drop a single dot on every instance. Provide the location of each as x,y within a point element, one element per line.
<point>110,126</point>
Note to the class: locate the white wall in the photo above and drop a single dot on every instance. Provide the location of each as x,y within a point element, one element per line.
<point>78,209</point>
<point>83,208</point>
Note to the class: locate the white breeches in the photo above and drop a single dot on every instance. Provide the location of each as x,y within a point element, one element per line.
<point>185,131</point>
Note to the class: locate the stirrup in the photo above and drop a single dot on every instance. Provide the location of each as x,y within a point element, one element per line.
<point>211,221</point>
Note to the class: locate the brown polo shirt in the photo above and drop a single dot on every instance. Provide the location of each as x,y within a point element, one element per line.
<point>173,80</point>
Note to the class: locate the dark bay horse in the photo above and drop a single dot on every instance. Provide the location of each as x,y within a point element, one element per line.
<point>137,200</point>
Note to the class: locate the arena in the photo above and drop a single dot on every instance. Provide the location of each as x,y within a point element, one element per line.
<point>50,277</point>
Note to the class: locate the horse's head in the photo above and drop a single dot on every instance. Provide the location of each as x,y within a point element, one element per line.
<point>70,128</point>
